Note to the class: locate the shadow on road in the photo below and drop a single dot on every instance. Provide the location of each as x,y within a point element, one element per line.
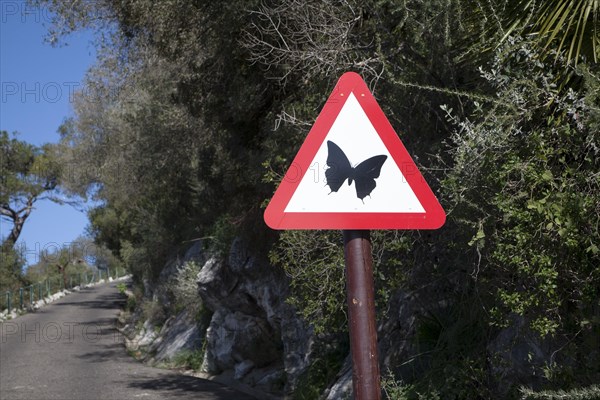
<point>107,301</point>
<point>109,353</point>
<point>185,386</point>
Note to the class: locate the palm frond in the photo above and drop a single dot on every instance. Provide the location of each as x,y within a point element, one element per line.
<point>562,25</point>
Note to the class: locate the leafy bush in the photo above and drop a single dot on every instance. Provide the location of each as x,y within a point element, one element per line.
<point>394,389</point>
<point>587,393</point>
<point>131,303</point>
<point>185,288</point>
<point>524,184</point>
<point>121,287</point>
<point>525,175</point>
<point>153,311</point>
<point>315,262</point>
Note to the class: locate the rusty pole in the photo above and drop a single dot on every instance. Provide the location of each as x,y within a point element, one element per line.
<point>361,312</point>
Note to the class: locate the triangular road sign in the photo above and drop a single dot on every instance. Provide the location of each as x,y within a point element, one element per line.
<point>353,172</point>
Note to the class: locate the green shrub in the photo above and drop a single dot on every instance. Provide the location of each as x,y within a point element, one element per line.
<point>122,287</point>
<point>394,389</point>
<point>153,311</point>
<point>131,303</point>
<point>190,359</point>
<point>185,288</point>
<point>588,393</point>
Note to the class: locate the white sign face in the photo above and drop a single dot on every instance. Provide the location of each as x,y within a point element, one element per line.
<point>354,135</point>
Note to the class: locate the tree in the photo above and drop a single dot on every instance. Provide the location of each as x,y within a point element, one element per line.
<point>28,172</point>
<point>82,255</point>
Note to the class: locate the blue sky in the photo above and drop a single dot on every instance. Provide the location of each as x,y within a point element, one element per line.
<point>37,80</point>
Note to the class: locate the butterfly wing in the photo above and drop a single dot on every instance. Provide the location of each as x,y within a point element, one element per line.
<point>365,174</point>
<point>339,167</point>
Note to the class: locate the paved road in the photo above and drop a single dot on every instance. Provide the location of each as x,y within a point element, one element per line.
<point>70,350</point>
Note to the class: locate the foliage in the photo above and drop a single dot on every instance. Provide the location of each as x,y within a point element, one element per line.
<point>150,139</point>
<point>586,393</point>
<point>525,184</point>
<point>314,260</point>
<point>191,359</point>
<point>11,270</point>
<point>224,231</point>
<point>80,256</point>
<point>319,374</point>
<point>572,24</point>
<point>131,305</point>
<point>153,311</point>
<point>121,287</point>
<point>185,288</point>
<point>394,389</point>
<point>28,172</point>
<point>527,176</point>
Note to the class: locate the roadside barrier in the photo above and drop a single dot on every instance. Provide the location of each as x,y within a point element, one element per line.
<point>24,298</point>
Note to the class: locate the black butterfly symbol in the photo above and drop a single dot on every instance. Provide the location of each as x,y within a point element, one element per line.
<point>364,174</point>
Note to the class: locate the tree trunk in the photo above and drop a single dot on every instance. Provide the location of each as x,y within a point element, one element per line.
<point>63,270</point>
<point>18,219</point>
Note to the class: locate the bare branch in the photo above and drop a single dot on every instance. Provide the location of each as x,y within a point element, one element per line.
<point>307,38</point>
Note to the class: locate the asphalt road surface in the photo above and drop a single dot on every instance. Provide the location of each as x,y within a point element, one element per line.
<point>70,350</point>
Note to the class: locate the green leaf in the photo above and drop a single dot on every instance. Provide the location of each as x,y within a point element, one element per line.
<point>547,175</point>
<point>479,236</point>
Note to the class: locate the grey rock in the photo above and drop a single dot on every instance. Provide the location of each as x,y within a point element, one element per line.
<point>234,337</point>
<point>178,334</point>
<point>219,341</point>
<point>271,380</point>
<point>242,369</point>
<point>216,284</point>
<point>396,334</point>
<point>253,335</point>
<point>342,388</point>
<point>251,320</point>
<point>195,253</point>
<point>143,339</point>
<point>298,339</point>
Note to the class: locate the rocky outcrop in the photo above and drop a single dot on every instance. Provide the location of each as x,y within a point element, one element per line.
<point>342,387</point>
<point>253,332</point>
<point>161,291</point>
<point>252,335</point>
<point>179,334</point>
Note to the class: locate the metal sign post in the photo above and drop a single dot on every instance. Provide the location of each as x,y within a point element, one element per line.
<point>361,312</point>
